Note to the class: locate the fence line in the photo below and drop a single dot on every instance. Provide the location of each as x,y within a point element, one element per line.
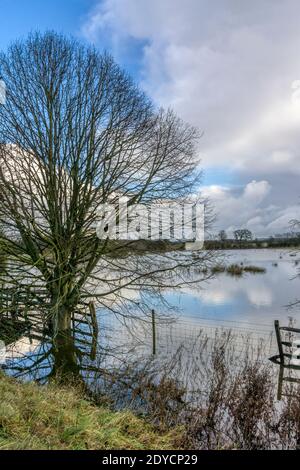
<point>158,337</point>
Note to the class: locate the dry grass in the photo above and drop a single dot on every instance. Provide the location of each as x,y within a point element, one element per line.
<point>52,417</point>
<point>207,396</point>
<point>220,398</point>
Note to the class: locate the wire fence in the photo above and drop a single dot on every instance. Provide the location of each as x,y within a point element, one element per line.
<point>157,337</point>
<point>161,337</point>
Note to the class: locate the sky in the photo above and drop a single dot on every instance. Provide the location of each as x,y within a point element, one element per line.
<point>229,67</point>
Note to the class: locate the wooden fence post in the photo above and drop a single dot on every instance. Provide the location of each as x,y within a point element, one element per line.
<point>153,333</point>
<point>95,330</point>
<point>280,382</point>
<point>73,324</point>
<point>278,337</point>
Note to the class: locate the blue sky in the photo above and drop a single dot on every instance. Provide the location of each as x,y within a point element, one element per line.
<point>217,64</point>
<point>18,17</point>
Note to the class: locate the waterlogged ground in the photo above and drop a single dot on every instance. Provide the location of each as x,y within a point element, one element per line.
<point>245,306</point>
<point>253,298</point>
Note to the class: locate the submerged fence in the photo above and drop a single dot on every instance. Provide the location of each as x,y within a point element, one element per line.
<point>153,334</point>
<point>164,337</point>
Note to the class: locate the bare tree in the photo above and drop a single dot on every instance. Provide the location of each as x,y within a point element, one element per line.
<point>222,235</point>
<point>75,133</point>
<point>295,228</point>
<point>243,235</point>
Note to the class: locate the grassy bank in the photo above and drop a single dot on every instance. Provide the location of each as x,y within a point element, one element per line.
<point>54,417</point>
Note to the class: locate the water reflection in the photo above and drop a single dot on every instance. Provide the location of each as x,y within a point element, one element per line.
<point>74,355</point>
<point>254,298</point>
<point>63,358</point>
<point>246,305</point>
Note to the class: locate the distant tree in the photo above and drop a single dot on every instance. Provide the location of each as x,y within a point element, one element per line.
<point>295,227</point>
<point>222,235</point>
<point>243,235</point>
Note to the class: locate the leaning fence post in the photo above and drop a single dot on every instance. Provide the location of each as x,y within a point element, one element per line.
<point>95,328</point>
<point>153,333</point>
<point>278,337</point>
<point>73,324</point>
<point>280,382</point>
<point>92,310</point>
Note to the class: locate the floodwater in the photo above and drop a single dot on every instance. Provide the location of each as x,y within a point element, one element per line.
<point>245,305</point>
<point>257,299</point>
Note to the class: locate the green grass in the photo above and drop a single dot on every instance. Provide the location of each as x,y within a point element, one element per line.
<point>254,269</point>
<point>219,268</point>
<point>237,269</point>
<point>56,417</point>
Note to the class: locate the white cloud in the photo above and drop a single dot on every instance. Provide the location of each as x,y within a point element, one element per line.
<point>247,208</point>
<point>260,296</point>
<point>223,291</point>
<point>232,69</point>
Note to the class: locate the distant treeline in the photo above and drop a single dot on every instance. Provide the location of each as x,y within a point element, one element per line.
<point>272,242</point>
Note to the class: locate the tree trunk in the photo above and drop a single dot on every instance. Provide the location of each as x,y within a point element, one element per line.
<point>66,364</point>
